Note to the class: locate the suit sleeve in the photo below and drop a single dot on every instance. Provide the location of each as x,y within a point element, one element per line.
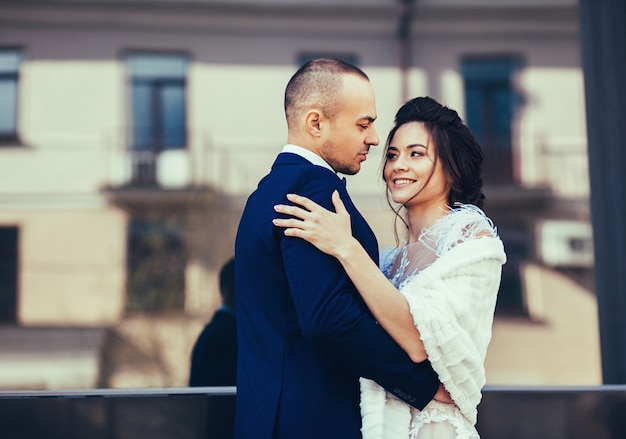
<point>333,317</point>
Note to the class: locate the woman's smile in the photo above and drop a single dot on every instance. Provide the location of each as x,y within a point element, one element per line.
<point>400,182</point>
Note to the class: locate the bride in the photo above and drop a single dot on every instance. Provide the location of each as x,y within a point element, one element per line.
<point>436,294</point>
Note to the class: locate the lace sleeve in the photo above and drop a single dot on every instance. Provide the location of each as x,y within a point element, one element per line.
<point>464,222</point>
<point>386,258</point>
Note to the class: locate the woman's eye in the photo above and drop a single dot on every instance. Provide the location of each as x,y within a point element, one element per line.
<point>390,155</point>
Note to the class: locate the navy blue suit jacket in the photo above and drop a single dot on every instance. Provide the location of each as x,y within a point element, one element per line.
<point>305,336</point>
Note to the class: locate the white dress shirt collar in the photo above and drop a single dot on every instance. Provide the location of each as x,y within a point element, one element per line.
<point>308,155</point>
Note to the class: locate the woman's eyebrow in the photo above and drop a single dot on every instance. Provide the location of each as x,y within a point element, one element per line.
<point>410,146</point>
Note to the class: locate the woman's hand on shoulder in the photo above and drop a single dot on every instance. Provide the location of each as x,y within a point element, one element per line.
<point>330,232</point>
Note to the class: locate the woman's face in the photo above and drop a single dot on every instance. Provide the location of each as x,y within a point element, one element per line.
<point>410,171</point>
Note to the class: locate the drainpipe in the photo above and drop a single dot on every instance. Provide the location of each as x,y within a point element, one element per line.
<point>404,45</point>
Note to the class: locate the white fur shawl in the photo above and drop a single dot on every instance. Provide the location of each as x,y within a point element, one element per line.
<point>452,302</point>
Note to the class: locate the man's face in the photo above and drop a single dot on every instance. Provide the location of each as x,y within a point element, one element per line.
<point>352,132</point>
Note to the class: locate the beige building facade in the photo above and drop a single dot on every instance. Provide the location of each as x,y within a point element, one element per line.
<point>131,134</point>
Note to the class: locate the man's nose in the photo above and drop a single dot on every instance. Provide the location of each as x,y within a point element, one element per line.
<point>372,139</point>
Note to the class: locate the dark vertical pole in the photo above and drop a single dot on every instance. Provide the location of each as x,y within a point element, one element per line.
<point>603,42</point>
<point>404,45</point>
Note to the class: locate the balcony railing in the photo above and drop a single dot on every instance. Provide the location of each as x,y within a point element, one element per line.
<point>168,169</point>
<point>142,167</point>
<point>182,413</point>
<point>234,168</point>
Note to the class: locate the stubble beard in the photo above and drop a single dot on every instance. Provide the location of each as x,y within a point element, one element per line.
<point>329,149</point>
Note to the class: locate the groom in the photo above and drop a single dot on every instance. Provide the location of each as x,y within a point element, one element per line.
<point>305,335</point>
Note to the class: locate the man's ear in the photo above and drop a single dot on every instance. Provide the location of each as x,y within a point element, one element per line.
<point>313,122</point>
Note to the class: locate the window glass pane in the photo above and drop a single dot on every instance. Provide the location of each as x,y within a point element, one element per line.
<point>511,294</point>
<point>9,60</point>
<point>8,110</point>
<point>142,119</point>
<point>502,102</point>
<point>490,113</point>
<point>9,65</point>
<point>474,111</point>
<point>157,259</point>
<point>173,116</point>
<point>9,243</point>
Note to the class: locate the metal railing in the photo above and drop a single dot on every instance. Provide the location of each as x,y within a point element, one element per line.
<point>587,412</point>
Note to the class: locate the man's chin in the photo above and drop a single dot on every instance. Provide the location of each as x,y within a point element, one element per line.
<point>353,170</point>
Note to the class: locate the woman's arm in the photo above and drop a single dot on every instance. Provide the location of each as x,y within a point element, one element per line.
<point>331,233</point>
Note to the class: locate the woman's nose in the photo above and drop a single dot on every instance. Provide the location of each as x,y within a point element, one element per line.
<point>400,163</point>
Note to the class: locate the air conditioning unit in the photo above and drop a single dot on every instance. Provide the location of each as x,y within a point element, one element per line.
<point>565,243</point>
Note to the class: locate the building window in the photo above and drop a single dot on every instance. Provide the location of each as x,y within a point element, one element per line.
<point>8,273</point>
<point>9,76</point>
<point>158,109</point>
<point>511,300</point>
<point>489,107</point>
<point>156,265</point>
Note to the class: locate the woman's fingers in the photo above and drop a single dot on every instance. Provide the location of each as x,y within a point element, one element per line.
<point>287,222</point>
<point>304,207</point>
<point>339,206</point>
<point>308,219</point>
<point>314,223</point>
<point>308,204</point>
<point>291,210</point>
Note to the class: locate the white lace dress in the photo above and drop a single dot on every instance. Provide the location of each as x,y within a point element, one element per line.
<point>450,278</point>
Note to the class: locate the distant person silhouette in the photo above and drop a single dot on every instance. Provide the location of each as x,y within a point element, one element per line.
<point>214,358</point>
